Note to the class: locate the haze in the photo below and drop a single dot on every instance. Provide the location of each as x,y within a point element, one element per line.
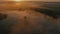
<point>39,0</point>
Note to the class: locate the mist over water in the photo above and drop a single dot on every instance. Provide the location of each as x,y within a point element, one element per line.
<point>28,20</point>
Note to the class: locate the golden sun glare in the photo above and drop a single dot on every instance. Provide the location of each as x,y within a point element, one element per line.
<point>17,0</point>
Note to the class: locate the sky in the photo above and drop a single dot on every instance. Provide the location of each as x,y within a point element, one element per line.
<point>49,0</point>
<point>43,0</point>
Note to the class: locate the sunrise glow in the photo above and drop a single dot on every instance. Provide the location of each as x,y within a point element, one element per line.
<point>17,0</point>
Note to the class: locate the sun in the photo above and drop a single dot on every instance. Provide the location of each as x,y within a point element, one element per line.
<point>17,0</point>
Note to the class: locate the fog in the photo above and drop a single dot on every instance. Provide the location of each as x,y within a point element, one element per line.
<point>29,18</point>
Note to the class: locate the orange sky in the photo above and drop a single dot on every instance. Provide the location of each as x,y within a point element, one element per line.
<point>44,0</point>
